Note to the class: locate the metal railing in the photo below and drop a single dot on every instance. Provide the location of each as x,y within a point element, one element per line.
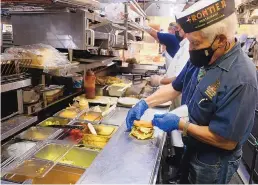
<point>14,69</point>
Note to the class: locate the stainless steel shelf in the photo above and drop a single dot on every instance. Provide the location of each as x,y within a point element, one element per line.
<point>16,124</point>
<point>96,61</point>
<point>95,66</point>
<point>96,17</point>
<point>103,59</point>
<point>63,98</point>
<point>105,22</point>
<point>15,85</point>
<point>116,25</point>
<point>101,35</point>
<point>43,5</point>
<point>131,25</point>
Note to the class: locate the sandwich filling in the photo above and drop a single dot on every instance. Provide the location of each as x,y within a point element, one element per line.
<point>142,133</point>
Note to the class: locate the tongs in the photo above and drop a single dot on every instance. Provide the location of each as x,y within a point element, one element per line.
<point>125,87</point>
<point>80,127</point>
<point>108,110</point>
<point>92,129</point>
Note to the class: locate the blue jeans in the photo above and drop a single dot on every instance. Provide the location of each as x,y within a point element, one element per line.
<point>210,167</point>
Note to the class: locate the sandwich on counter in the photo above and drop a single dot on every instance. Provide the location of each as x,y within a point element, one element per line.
<point>142,130</point>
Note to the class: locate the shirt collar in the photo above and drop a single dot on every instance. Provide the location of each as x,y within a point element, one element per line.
<point>183,42</point>
<point>222,62</point>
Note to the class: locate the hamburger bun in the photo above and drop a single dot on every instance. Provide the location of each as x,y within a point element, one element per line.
<point>142,130</point>
<point>141,123</point>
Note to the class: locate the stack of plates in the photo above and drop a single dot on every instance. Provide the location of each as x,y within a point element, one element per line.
<point>128,101</point>
<point>167,104</point>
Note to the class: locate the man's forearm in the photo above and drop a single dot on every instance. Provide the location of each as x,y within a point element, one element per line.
<point>153,33</point>
<point>164,94</point>
<point>165,81</point>
<point>203,134</point>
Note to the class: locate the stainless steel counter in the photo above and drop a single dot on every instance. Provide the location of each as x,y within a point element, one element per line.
<point>117,117</point>
<point>126,160</point>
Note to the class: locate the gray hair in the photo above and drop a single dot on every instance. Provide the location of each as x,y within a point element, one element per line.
<point>172,25</point>
<point>226,27</point>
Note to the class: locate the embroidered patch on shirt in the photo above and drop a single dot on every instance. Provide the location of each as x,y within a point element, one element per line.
<point>211,91</point>
<point>201,74</point>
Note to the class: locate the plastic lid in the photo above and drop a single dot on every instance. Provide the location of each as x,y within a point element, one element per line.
<point>38,161</point>
<point>93,117</point>
<point>37,133</point>
<point>33,168</point>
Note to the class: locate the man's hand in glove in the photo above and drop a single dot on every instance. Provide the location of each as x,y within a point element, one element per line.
<point>136,113</point>
<point>166,122</point>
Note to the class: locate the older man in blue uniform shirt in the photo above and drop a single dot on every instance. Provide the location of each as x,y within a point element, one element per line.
<point>219,86</point>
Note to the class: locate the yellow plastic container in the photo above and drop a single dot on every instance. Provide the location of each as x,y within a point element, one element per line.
<point>79,157</point>
<point>104,133</point>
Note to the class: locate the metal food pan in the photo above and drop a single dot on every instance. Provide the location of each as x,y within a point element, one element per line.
<point>102,130</point>
<point>79,157</point>
<point>95,141</point>
<point>101,90</point>
<point>104,134</point>
<point>14,148</point>
<point>105,130</point>
<point>70,175</point>
<point>58,114</point>
<point>51,152</point>
<point>96,144</point>
<point>103,100</point>
<point>54,121</point>
<point>91,117</point>
<point>102,108</point>
<point>67,136</point>
<point>28,163</point>
<point>92,148</point>
<point>39,133</point>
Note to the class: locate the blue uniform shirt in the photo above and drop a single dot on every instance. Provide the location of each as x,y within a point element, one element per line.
<point>170,41</point>
<point>186,82</point>
<point>224,99</point>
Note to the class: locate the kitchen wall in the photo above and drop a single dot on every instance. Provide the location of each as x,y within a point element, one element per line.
<point>158,23</point>
<point>249,29</point>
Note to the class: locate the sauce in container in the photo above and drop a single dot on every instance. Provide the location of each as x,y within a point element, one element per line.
<point>89,84</point>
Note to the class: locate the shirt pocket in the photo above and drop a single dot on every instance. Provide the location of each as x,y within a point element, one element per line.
<point>203,108</point>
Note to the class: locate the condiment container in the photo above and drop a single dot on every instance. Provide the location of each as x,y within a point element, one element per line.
<point>89,84</point>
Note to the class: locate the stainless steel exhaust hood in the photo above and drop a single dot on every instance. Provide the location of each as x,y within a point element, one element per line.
<point>164,9</point>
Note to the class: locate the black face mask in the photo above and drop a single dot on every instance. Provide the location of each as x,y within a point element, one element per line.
<point>179,38</point>
<point>202,57</point>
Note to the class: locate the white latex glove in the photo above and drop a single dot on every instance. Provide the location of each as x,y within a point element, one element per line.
<point>162,71</point>
<point>145,26</point>
<point>155,80</point>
